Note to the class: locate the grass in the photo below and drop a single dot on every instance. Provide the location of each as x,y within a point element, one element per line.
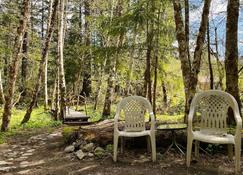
<point>39,119</point>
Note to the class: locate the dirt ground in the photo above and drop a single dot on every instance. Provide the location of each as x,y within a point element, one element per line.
<point>42,153</point>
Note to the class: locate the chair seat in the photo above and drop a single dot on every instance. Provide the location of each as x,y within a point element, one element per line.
<point>134,134</point>
<point>217,139</point>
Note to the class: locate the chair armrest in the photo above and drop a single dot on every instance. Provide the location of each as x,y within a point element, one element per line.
<point>238,122</point>
<point>190,118</point>
<point>151,114</point>
<point>116,122</point>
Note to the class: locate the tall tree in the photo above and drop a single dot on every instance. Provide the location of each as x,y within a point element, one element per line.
<point>46,65</point>
<point>231,54</point>
<point>42,63</point>
<point>86,89</point>
<point>13,70</point>
<point>62,84</point>
<point>190,71</point>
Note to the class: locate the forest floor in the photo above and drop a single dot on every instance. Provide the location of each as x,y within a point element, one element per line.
<point>42,153</point>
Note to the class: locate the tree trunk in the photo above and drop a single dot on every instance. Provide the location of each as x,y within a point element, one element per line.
<point>13,70</point>
<point>164,93</point>
<point>112,67</point>
<point>54,95</point>
<point>209,60</point>
<point>57,99</point>
<point>231,55</point>
<point>61,62</point>
<point>42,63</point>
<point>187,29</point>
<point>46,65</point>
<point>2,98</point>
<point>149,40</point>
<point>25,64</point>
<point>220,67</point>
<point>190,72</point>
<point>86,90</point>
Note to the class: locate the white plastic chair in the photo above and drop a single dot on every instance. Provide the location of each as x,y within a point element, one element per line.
<point>212,107</point>
<point>134,108</point>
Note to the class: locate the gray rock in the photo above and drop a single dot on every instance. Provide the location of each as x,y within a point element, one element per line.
<point>78,144</point>
<point>24,172</point>
<point>99,152</point>
<point>88,147</point>
<point>31,150</point>
<point>69,149</point>
<point>27,154</point>
<point>90,155</point>
<point>80,154</point>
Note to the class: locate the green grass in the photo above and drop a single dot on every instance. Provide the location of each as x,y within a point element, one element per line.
<point>97,115</point>
<point>39,119</point>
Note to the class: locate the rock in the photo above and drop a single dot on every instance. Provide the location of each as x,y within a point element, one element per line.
<point>31,150</point>
<point>25,164</point>
<point>5,163</point>
<point>7,169</point>
<point>78,144</point>
<point>24,172</point>
<point>69,149</point>
<point>80,154</point>
<point>88,147</point>
<point>27,154</point>
<point>90,155</point>
<point>22,158</point>
<point>99,152</point>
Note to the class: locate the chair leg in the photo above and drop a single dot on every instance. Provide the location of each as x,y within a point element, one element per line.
<point>148,143</point>
<point>122,144</point>
<point>188,151</point>
<point>115,146</point>
<point>237,156</point>
<point>197,145</point>
<point>153,146</point>
<point>230,151</point>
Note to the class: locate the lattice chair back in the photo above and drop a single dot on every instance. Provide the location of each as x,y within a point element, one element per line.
<point>212,107</point>
<point>134,108</point>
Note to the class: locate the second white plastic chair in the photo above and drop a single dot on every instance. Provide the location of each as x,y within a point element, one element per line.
<point>134,108</point>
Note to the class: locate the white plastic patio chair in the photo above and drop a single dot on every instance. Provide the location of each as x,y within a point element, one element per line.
<point>212,107</point>
<point>134,108</point>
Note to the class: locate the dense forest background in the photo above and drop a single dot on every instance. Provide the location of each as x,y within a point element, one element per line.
<point>103,50</point>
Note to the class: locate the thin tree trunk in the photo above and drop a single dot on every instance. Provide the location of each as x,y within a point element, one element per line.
<point>209,60</point>
<point>97,94</point>
<point>155,84</point>
<point>57,99</point>
<point>231,54</point>
<point>25,64</point>
<point>187,29</point>
<point>46,65</point>
<point>164,93</point>
<point>86,90</point>
<point>220,67</point>
<point>13,70</point>
<point>2,98</point>
<point>61,61</point>
<point>147,75</point>
<point>54,95</point>
<point>42,63</point>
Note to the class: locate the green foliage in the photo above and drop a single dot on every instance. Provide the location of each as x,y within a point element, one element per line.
<point>69,134</point>
<point>39,119</point>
